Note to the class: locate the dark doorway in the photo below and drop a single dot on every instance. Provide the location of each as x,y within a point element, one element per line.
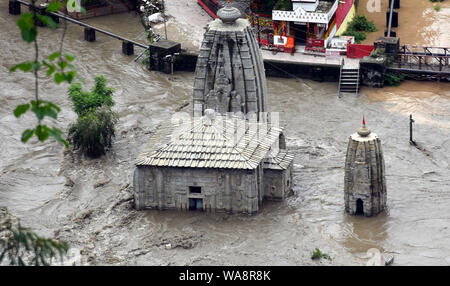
<point>359,207</point>
<point>195,204</point>
<point>300,34</point>
<point>195,190</point>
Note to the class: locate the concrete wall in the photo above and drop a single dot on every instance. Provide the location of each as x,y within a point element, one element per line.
<point>221,190</point>
<point>277,183</point>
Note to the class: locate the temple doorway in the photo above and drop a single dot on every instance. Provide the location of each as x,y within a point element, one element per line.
<point>195,204</point>
<point>359,207</point>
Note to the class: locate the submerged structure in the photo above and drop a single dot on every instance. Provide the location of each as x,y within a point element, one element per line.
<point>223,159</point>
<point>230,76</point>
<point>215,163</point>
<point>365,182</point>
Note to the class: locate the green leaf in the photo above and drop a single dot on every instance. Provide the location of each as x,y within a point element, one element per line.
<point>36,66</point>
<point>26,135</point>
<point>47,20</point>
<point>56,133</point>
<point>42,132</point>
<point>25,66</point>
<point>21,109</point>
<point>54,56</point>
<point>25,21</point>
<point>70,76</point>
<point>59,77</point>
<point>53,6</point>
<point>29,35</point>
<point>51,70</point>
<point>69,57</point>
<point>62,64</point>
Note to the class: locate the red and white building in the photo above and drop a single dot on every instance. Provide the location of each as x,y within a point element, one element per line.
<point>311,23</point>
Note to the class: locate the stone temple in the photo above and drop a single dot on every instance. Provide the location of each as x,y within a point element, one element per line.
<point>215,163</point>
<point>364,183</point>
<point>230,76</point>
<point>219,160</point>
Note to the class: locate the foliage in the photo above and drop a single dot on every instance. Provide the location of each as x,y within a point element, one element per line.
<point>284,5</point>
<point>264,7</point>
<point>360,23</point>
<point>437,0</point>
<point>392,79</point>
<point>57,65</point>
<point>94,130</point>
<point>22,247</point>
<point>437,8</point>
<point>358,26</point>
<point>378,52</point>
<point>317,254</point>
<point>84,101</point>
<point>359,36</point>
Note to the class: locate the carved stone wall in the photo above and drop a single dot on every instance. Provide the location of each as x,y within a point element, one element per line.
<point>230,75</point>
<point>364,175</point>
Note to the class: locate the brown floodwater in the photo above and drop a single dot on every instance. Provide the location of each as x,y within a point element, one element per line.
<point>418,22</point>
<point>95,213</point>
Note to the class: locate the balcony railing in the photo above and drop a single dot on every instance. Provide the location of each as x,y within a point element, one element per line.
<point>300,15</point>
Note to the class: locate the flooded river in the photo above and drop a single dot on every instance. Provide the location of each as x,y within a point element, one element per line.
<point>88,202</point>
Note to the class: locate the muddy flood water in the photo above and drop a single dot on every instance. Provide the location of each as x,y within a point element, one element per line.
<point>88,202</point>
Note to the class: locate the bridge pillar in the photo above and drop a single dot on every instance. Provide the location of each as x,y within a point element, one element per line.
<point>393,33</point>
<point>127,48</point>
<point>89,34</point>
<point>394,23</point>
<point>14,7</point>
<point>396,4</point>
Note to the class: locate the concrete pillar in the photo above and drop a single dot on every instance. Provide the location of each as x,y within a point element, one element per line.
<point>89,34</point>
<point>14,7</point>
<point>394,23</point>
<point>127,48</point>
<point>393,33</point>
<point>396,4</point>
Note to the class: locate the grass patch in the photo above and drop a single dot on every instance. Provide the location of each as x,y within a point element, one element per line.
<point>317,254</point>
<point>437,8</point>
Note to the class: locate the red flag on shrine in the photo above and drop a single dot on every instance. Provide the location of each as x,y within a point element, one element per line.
<point>364,121</point>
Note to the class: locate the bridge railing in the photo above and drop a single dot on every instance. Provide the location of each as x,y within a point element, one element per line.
<point>423,58</point>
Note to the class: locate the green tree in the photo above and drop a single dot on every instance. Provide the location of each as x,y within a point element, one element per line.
<point>22,247</point>
<point>94,130</point>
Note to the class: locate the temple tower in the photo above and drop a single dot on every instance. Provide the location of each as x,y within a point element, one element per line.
<point>365,183</point>
<point>229,76</point>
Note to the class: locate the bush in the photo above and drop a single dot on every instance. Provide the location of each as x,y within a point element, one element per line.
<point>392,79</point>
<point>360,23</point>
<point>359,36</point>
<point>284,5</point>
<point>85,101</point>
<point>379,52</point>
<point>358,26</point>
<point>94,130</point>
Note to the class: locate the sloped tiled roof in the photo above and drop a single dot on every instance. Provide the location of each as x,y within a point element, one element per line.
<point>225,142</point>
<point>280,162</point>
